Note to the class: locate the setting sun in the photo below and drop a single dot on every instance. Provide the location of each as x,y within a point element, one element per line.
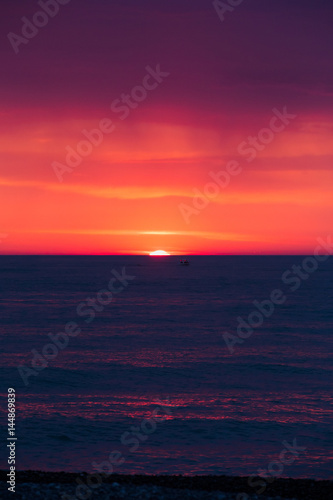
<point>159,253</point>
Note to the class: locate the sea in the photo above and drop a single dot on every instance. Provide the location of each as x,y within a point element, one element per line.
<point>139,365</point>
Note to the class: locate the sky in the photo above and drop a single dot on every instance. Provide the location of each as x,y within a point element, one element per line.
<point>206,129</point>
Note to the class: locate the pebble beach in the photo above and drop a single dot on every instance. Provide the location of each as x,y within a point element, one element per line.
<point>34,485</point>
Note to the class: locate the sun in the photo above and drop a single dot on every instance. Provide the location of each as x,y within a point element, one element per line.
<point>159,253</point>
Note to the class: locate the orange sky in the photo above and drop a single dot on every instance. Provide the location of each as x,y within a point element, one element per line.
<point>125,196</point>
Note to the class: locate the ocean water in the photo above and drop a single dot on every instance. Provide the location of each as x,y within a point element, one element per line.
<point>159,344</point>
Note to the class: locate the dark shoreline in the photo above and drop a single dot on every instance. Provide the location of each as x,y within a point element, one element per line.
<point>300,489</point>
